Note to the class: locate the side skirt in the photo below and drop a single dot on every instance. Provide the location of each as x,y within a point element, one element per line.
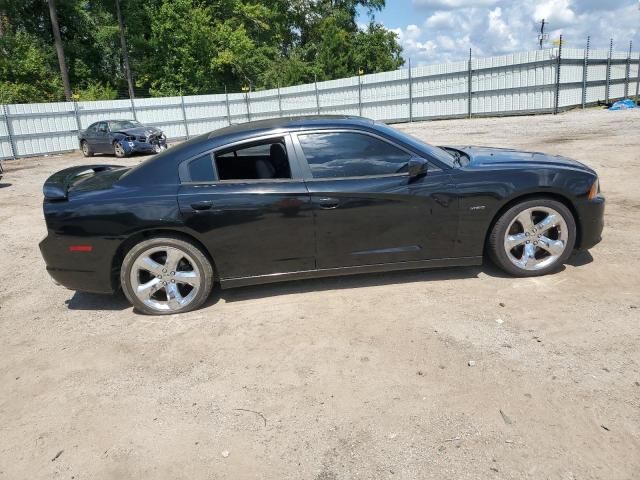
<point>335,272</point>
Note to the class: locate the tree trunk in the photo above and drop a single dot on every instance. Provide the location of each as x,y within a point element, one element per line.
<point>125,54</point>
<point>4,22</point>
<point>60,50</point>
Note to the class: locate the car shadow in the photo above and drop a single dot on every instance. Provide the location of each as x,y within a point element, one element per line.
<point>580,258</point>
<point>5,185</point>
<point>97,301</point>
<point>115,302</point>
<point>351,281</point>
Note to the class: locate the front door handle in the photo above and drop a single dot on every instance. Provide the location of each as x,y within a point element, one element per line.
<point>327,203</point>
<point>203,205</point>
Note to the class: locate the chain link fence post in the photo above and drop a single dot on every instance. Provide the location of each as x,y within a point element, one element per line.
<point>469,87</point>
<point>360,94</point>
<point>12,145</point>
<point>410,93</point>
<point>246,98</point>
<point>638,79</point>
<point>226,96</point>
<point>76,115</point>
<point>279,101</point>
<point>627,71</point>
<point>184,117</point>
<point>606,88</point>
<point>133,109</point>
<point>315,84</point>
<point>585,74</point>
<point>556,100</point>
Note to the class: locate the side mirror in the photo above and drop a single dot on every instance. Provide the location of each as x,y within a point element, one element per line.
<point>417,167</point>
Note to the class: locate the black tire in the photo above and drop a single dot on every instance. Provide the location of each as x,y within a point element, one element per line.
<point>496,242</point>
<point>86,149</point>
<point>202,263</point>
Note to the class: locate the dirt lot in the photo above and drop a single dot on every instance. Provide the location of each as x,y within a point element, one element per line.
<point>362,377</point>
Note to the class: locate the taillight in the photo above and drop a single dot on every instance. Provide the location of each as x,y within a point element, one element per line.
<point>80,248</point>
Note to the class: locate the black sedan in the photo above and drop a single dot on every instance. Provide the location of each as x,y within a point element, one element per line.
<point>290,199</point>
<point>122,138</point>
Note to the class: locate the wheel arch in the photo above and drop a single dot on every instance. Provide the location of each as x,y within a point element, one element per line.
<point>530,196</point>
<point>134,239</point>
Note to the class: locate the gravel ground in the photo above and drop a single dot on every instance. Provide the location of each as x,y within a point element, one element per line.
<point>343,378</point>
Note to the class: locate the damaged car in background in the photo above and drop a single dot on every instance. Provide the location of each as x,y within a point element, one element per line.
<point>121,138</point>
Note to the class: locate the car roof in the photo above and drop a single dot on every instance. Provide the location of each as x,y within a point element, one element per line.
<point>163,165</point>
<point>290,123</point>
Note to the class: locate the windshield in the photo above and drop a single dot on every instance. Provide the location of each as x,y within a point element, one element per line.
<point>434,152</point>
<point>124,124</point>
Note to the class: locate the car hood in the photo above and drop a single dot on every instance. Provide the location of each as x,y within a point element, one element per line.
<point>140,131</point>
<point>509,158</point>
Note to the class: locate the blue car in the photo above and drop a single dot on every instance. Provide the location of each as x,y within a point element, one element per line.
<point>122,138</point>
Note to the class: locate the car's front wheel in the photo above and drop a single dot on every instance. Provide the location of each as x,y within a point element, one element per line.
<point>533,238</point>
<point>86,149</point>
<point>166,275</point>
<point>119,150</point>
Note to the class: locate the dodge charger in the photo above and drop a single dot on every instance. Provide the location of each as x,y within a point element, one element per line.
<point>294,198</point>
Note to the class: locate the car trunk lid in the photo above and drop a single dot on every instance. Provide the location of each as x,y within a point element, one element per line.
<point>82,177</point>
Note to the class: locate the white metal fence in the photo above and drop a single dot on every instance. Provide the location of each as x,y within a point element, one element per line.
<point>541,81</point>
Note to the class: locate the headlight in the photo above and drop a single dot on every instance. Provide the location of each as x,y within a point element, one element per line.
<point>594,190</point>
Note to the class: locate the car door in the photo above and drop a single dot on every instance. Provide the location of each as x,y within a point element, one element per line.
<point>367,209</point>
<point>101,138</point>
<point>252,226</point>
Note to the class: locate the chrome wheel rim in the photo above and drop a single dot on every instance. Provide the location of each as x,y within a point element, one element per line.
<point>165,278</point>
<point>119,150</point>
<point>536,238</point>
<point>85,148</point>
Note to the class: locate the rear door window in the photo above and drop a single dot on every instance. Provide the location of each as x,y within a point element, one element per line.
<point>201,169</point>
<point>262,160</point>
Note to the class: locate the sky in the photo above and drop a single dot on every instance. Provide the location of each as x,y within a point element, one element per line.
<point>438,31</point>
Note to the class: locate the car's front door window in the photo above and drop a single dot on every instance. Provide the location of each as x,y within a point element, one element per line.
<point>350,154</point>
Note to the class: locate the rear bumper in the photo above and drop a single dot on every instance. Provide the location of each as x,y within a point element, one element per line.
<point>87,271</point>
<point>591,220</point>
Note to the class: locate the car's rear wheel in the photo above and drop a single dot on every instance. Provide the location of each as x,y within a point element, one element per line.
<point>166,275</point>
<point>533,238</point>
<point>86,149</point>
<point>119,150</point>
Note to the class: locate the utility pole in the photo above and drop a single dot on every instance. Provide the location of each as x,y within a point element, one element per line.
<point>60,50</point>
<point>542,36</point>
<point>125,54</point>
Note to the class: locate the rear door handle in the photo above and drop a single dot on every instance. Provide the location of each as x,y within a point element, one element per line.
<point>203,205</point>
<point>327,203</point>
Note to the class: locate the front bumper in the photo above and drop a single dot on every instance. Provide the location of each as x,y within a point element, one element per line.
<point>591,221</point>
<point>87,271</point>
<point>152,145</point>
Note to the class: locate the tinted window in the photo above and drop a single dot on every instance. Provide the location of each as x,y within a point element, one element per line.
<point>201,169</point>
<point>332,155</point>
<point>255,161</point>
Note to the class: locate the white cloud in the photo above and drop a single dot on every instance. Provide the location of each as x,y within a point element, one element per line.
<point>442,20</point>
<point>557,12</point>
<point>450,4</point>
<point>495,27</point>
<point>500,31</point>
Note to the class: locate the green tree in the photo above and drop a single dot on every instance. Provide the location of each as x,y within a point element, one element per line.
<point>28,70</point>
<point>191,46</point>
